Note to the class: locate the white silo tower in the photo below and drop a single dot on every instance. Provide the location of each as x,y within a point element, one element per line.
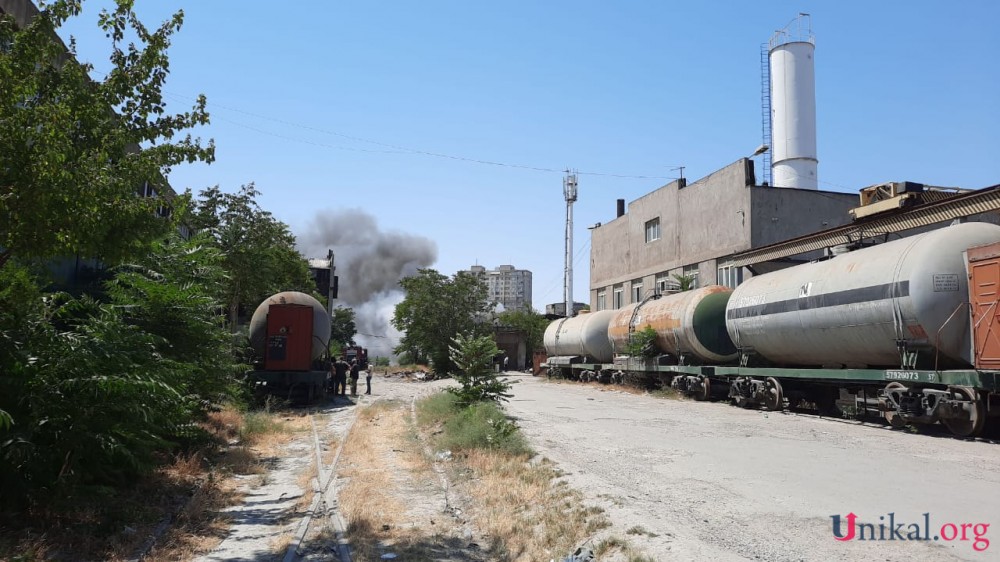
<point>793,105</point>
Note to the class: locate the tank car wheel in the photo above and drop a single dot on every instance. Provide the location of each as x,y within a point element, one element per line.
<point>706,390</point>
<point>774,399</point>
<point>977,415</point>
<point>891,416</point>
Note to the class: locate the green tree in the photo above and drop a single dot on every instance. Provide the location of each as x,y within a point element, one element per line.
<point>437,308</point>
<point>342,326</point>
<point>528,321</point>
<point>473,358</point>
<point>77,151</point>
<point>684,282</point>
<point>175,294</point>
<point>259,250</point>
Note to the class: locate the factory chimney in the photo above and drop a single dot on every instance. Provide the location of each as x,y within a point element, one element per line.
<point>793,105</point>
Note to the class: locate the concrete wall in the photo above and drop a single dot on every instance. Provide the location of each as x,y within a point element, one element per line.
<point>702,224</point>
<point>780,214</point>
<point>22,10</point>
<point>689,228</point>
<point>698,222</point>
<point>514,345</point>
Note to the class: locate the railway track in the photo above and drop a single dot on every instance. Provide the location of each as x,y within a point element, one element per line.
<point>323,511</point>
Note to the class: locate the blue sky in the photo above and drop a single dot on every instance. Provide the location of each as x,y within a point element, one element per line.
<point>905,90</point>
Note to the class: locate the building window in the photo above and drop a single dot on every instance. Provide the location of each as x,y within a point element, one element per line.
<point>730,276</point>
<point>602,299</point>
<point>618,297</point>
<point>637,290</point>
<point>662,280</point>
<point>691,271</point>
<point>653,229</point>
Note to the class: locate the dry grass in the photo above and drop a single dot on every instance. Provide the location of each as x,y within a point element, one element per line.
<point>524,509</point>
<point>281,544</point>
<point>614,545</point>
<point>189,489</point>
<point>664,391</point>
<point>201,525</point>
<point>369,500</point>
<point>225,423</point>
<point>398,369</point>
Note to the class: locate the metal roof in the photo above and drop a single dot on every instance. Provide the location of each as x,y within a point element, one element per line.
<point>963,205</point>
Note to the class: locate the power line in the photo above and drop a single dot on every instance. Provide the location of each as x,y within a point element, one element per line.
<point>323,145</point>
<point>576,261</point>
<point>396,149</point>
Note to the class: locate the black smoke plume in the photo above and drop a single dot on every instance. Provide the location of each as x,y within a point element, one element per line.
<point>370,264</point>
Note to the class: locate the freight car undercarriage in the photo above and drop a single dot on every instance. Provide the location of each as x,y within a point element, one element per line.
<point>962,400</point>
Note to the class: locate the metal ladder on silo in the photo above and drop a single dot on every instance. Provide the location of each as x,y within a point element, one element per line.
<point>765,111</point>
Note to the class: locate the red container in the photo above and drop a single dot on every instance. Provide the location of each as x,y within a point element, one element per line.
<point>984,294</point>
<point>289,338</point>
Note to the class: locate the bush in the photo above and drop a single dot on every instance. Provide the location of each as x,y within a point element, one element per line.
<point>642,343</point>
<point>437,408</point>
<point>96,392</point>
<point>174,294</point>
<point>479,426</point>
<point>474,358</point>
<point>90,399</point>
<point>483,426</point>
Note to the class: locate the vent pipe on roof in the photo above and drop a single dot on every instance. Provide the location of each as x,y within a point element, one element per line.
<point>621,207</point>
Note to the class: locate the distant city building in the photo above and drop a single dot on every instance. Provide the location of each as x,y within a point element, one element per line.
<point>507,285</point>
<point>559,308</point>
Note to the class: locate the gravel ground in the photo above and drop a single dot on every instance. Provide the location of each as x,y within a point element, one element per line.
<point>271,512</point>
<point>703,481</point>
<point>716,482</point>
<point>271,509</point>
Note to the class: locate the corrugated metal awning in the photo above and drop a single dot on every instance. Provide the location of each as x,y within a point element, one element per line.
<point>963,205</point>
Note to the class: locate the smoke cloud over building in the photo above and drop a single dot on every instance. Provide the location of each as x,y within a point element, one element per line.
<point>370,264</point>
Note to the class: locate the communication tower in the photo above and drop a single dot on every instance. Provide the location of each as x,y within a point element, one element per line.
<point>569,192</point>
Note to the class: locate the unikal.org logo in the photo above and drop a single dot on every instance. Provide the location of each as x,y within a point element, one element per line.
<point>847,528</point>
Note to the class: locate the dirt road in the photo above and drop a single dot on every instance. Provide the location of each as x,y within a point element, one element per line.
<point>707,481</point>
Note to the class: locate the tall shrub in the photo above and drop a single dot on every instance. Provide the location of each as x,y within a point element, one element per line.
<point>97,390</point>
<point>473,356</point>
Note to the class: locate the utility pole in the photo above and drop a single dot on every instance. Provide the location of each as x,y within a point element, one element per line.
<point>569,192</point>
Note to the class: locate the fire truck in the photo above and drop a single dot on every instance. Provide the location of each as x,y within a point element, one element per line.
<point>351,353</point>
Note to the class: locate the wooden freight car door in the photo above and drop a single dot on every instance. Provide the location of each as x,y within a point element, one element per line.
<point>984,289</point>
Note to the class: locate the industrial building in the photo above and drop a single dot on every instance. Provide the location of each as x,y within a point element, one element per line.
<point>695,229</point>
<point>558,309</point>
<point>732,224</point>
<point>507,286</point>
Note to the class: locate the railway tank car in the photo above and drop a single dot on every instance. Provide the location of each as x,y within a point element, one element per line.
<point>883,306</point>
<point>585,335</point>
<point>905,329</point>
<point>290,335</point>
<point>690,324</point>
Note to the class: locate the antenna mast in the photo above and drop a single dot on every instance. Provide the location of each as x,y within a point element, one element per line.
<point>569,192</point>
